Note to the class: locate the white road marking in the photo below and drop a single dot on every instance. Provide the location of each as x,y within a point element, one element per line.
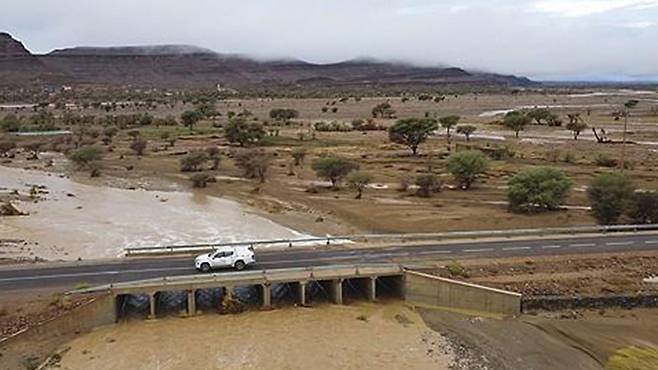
<point>516,248</point>
<point>651,242</point>
<point>81,274</point>
<point>435,252</point>
<point>582,245</point>
<point>478,250</point>
<point>551,247</point>
<point>619,243</point>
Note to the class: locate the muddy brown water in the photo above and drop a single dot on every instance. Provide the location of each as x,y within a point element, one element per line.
<point>70,220</point>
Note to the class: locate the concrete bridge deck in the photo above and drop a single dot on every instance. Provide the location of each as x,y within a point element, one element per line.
<point>332,277</point>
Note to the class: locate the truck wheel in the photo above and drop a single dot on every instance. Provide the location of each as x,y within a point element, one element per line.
<point>205,267</point>
<point>239,265</point>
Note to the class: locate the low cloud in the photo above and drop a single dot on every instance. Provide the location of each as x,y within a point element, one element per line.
<point>537,38</point>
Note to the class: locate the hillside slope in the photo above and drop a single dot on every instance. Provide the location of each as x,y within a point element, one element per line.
<point>183,66</point>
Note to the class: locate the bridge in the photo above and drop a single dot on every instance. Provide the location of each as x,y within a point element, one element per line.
<point>332,279</point>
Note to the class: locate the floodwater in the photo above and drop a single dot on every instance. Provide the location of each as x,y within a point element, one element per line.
<point>72,220</point>
<point>498,112</point>
<point>358,336</point>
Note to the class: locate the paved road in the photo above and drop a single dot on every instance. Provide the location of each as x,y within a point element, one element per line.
<point>67,275</point>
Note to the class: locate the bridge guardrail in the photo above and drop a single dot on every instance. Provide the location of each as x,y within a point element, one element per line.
<point>327,240</point>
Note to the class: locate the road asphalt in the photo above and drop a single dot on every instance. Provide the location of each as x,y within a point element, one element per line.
<point>66,275</point>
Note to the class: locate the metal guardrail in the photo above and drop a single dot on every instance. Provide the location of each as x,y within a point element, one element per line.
<point>189,248</point>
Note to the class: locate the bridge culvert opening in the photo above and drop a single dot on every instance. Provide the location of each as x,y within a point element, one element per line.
<point>389,287</point>
<point>132,306</point>
<point>285,294</point>
<point>356,289</point>
<point>320,292</point>
<point>208,300</point>
<point>169,303</point>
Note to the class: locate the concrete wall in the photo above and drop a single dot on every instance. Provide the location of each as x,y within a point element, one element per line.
<point>426,290</point>
<point>36,343</point>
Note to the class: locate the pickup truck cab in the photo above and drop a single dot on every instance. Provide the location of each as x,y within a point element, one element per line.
<point>237,257</point>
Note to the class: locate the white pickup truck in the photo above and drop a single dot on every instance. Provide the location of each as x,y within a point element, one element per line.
<point>237,257</point>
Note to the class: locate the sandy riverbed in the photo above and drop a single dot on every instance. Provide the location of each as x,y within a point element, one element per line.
<point>361,337</point>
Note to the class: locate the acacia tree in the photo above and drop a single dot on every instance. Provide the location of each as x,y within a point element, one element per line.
<point>240,131</point>
<point>193,161</point>
<point>643,207</point>
<point>298,155</point>
<point>466,166</point>
<point>333,169</point>
<point>576,127</point>
<point>138,146</point>
<point>190,118</point>
<point>358,181</point>
<point>412,132</point>
<point>447,123</point>
<point>283,115</point>
<point>87,158</point>
<point>254,163</point>
<point>609,195</point>
<point>538,189</point>
<point>516,121</point>
<point>214,154</point>
<point>466,130</point>
<point>539,115</point>
<point>427,184</point>
<point>383,110</point>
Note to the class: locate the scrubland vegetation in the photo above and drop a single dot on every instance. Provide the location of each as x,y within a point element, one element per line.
<point>434,160</point>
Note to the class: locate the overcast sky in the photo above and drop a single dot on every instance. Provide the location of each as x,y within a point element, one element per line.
<point>543,39</point>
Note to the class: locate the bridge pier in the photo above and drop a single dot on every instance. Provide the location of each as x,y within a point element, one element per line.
<point>302,293</point>
<point>191,302</point>
<point>267,296</point>
<point>372,288</point>
<point>152,305</point>
<point>337,291</point>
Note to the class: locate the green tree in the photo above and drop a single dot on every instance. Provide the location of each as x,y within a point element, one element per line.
<point>466,166</point>
<point>540,115</point>
<point>254,163</point>
<point>283,115</point>
<point>214,154</point>
<point>88,157</point>
<point>412,132</point>
<point>190,118</point>
<point>10,123</point>
<point>538,189</point>
<point>383,110</point>
<point>609,195</point>
<point>643,207</point>
<point>358,181</point>
<point>466,130</point>
<point>240,131</point>
<point>193,161</point>
<point>201,180</point>
<point>298,154</point>
<point>84,156</point>
<point>448,122</point>
<point>333,169</point>
<point>206,108</point>
<point>576,127</point>
<point>138,146</point>
<point>516,121</point>
<point>427,184</point>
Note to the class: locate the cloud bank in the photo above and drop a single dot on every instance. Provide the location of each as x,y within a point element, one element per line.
<point>543,39</point>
